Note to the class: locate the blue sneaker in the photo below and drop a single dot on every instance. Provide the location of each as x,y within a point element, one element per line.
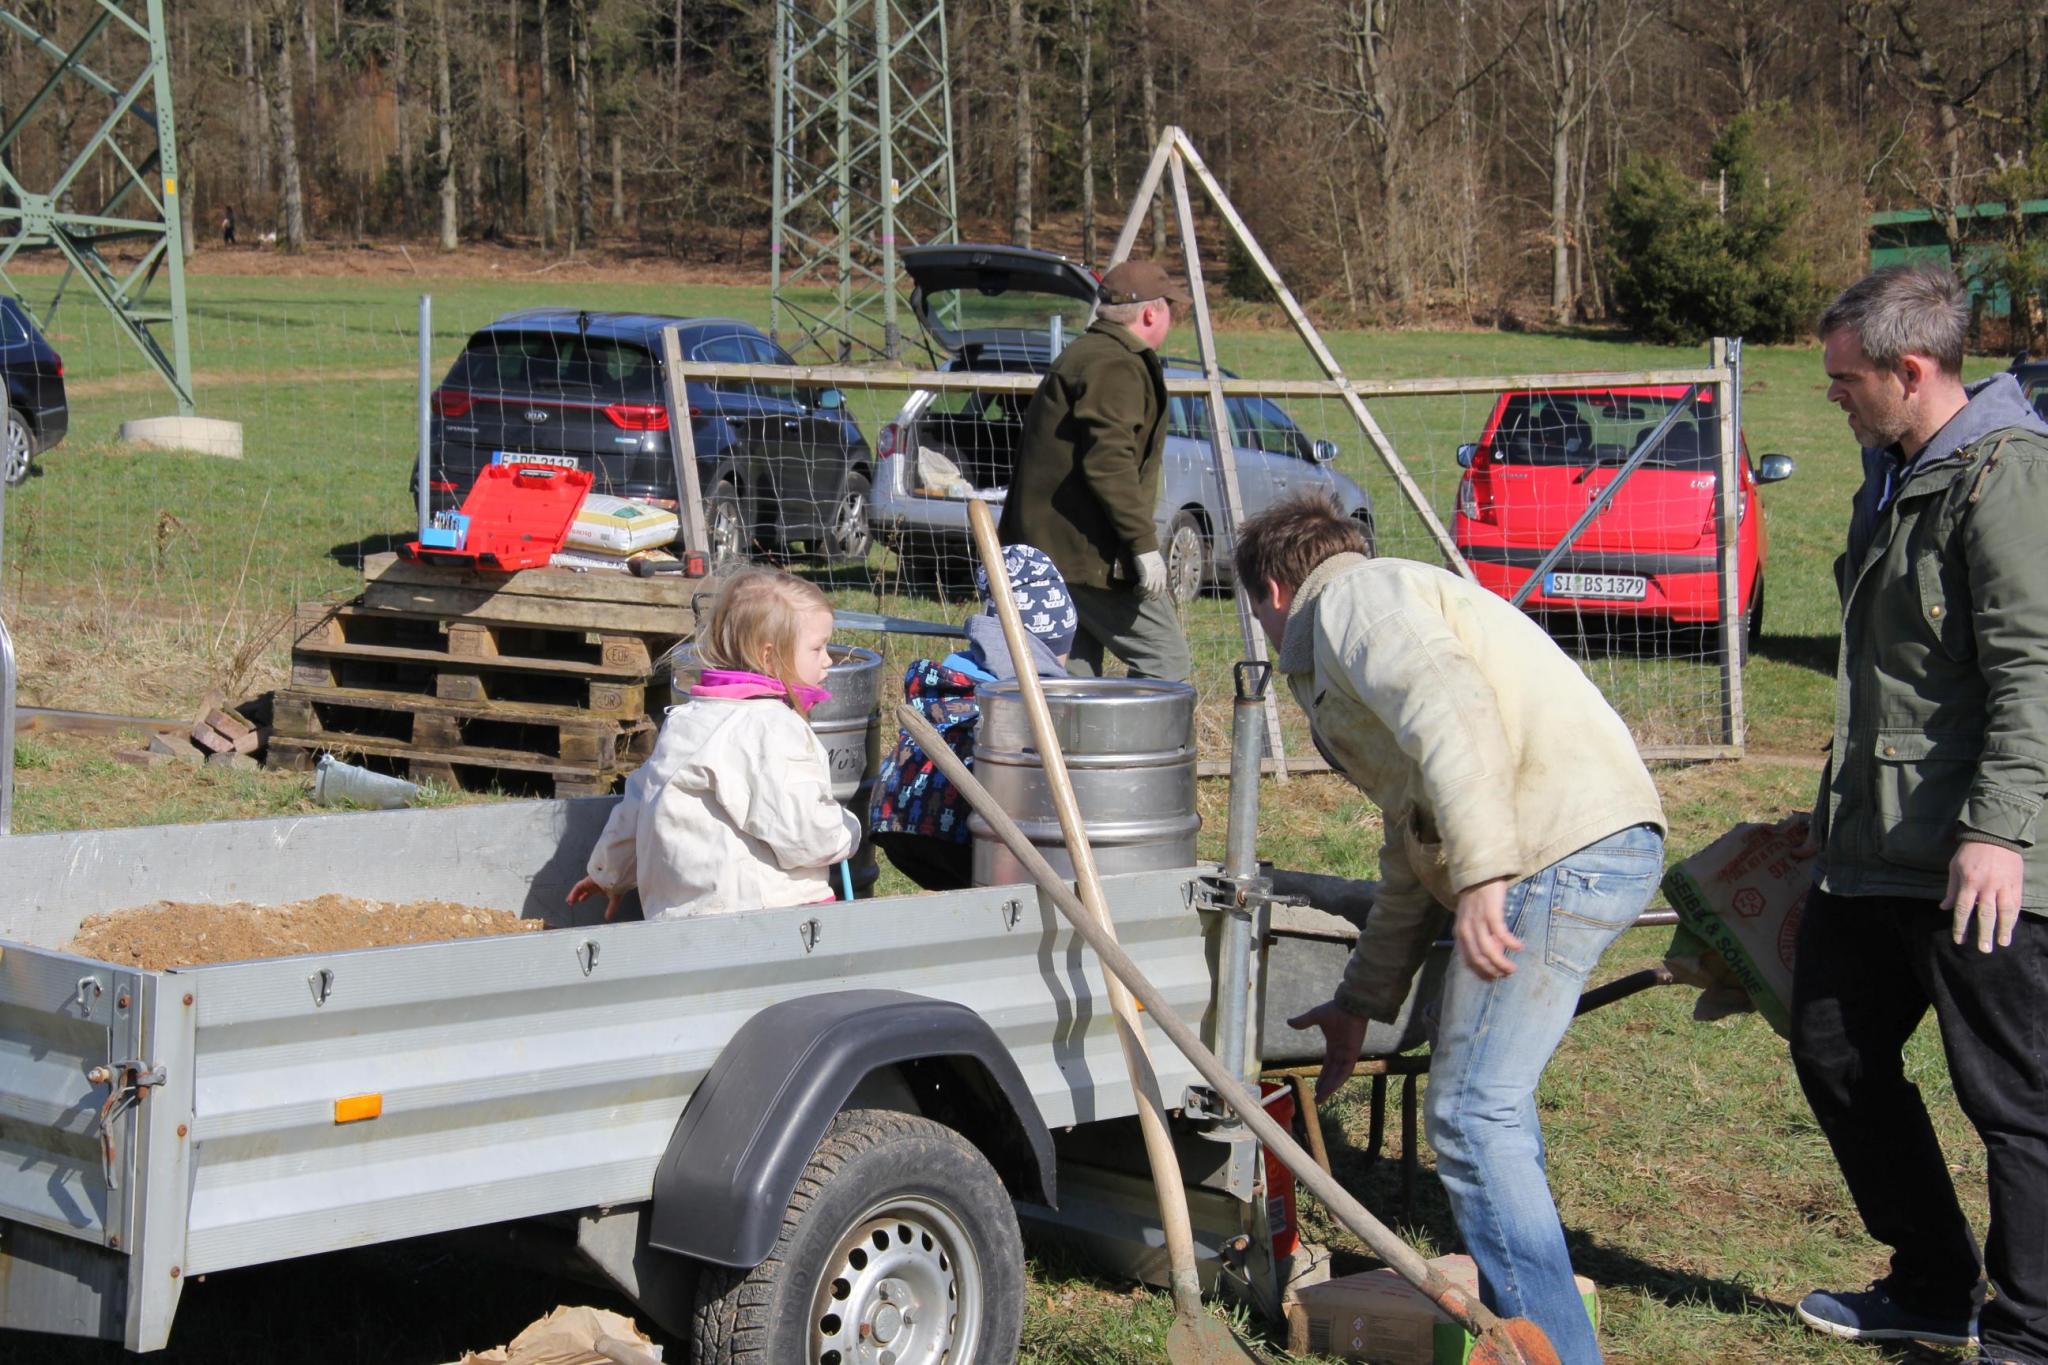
<point>1872,1315</point>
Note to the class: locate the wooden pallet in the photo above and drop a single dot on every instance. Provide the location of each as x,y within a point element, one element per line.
<point>439,738</point>
<point>576,672</point>
<point>662,606</point>
<point>511,778</point>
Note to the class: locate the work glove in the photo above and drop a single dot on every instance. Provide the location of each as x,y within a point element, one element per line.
<point>1152,574</point>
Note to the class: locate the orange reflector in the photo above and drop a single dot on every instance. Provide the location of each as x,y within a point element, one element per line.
<point>356,1108</point>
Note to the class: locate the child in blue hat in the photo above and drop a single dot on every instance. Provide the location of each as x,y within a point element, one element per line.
<point>918,818</point>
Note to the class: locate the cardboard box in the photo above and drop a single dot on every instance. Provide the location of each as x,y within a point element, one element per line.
<point>1380,1318</point>
<point>1742,896</point>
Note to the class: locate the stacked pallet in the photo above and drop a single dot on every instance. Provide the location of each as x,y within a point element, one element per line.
<point>531,682</point>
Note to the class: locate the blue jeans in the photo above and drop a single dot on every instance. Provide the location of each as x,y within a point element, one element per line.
<point>1493,1040</point>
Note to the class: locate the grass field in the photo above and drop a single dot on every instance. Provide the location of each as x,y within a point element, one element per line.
<point>1692,1181</point>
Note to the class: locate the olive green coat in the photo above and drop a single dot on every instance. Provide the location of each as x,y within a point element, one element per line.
<point>1941,687</point>
<point>1086,483</point>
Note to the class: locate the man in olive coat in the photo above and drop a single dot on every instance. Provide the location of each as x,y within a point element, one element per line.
<point>1086,485</point>
<point>1932,881</point>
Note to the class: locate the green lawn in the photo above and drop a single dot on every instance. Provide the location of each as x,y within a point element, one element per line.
<point>1694,1185</point>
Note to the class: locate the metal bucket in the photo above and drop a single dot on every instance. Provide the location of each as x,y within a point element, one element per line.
<point>849,726</point>
<point>1129,746</point>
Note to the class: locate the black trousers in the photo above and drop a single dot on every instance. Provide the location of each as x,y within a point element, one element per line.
<point>934,864</point>
<point>1868,968</point>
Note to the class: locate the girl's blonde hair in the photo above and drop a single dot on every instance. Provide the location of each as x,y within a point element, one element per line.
<point>754,624</point>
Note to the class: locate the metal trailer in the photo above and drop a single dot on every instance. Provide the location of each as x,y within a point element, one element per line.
<point>156,1125</point>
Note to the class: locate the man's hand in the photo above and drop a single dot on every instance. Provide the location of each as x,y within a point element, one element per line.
<point>1152,574</point>
<point>1799,824</point>
<point>1482,929</point>
<point>1343,1035</point>
<point>587,888</point>
<point>1985,880</point>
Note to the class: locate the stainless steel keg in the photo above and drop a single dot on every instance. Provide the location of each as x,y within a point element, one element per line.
<point>1130,750</point>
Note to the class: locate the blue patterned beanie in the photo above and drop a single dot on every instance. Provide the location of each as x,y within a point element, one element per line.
<point>1041,592</point>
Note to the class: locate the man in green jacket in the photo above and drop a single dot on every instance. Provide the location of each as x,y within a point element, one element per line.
<point>1086,483</point>
<point>1932,879</point>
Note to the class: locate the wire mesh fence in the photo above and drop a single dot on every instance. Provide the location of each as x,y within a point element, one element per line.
<point>132,576</point>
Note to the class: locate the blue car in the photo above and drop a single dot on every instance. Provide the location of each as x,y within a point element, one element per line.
<point>778,465</point>
<point>37,414</point>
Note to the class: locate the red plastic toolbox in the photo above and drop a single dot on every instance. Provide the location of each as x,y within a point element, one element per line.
<point>519,515</point>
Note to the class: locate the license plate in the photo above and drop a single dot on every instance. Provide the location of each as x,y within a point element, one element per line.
<point>1614,587</point>
<point>518,457</point>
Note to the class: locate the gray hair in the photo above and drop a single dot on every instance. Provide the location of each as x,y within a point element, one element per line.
<point>1902,310</point>
<point>1122,314</point>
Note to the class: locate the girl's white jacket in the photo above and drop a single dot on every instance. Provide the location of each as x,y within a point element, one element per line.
<point>734,811</point>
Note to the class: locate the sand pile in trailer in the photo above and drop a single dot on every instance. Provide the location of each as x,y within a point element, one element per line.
<point>184,934</point>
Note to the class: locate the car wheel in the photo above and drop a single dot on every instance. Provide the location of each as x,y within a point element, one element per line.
<point>16,448</point>
<point>725,526</point>
<point>847,538</point>
<point>899,1243</point>
<point>1187,553</point>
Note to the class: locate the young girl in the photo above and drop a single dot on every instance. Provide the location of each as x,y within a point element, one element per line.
<point>735,810</point>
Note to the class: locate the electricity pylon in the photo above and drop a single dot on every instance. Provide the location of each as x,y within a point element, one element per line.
<point>863,130</point>
<point>121,56</point>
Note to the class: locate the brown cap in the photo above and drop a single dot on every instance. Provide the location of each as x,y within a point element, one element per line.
<point>1140,282</point>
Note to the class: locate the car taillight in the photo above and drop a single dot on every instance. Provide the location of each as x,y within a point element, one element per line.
<point>1469,506</point>
<point>451,402</point>
<point>638,416</point>
<point>59,362</point>
<point>1714,512</point>
<point>440,486</point>
<point>885,442</point>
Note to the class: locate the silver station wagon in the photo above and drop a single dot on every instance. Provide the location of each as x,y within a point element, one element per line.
<point>1009,310</point>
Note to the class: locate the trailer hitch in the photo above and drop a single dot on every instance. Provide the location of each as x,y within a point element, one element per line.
<point>125,1081</point>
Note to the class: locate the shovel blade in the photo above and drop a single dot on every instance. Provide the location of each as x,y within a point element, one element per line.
<point>1202,1340</point>
<point>1514,1341</point>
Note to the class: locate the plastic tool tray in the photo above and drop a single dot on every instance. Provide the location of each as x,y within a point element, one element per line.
<point>518,516</point>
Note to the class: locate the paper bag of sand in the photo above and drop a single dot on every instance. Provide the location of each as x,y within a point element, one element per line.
<point>185,934</point>
<point>574,1336</point>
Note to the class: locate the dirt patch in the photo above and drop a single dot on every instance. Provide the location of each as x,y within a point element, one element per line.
<point>184,934</point>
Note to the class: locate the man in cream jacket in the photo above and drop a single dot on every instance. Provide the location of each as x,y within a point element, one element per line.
<point>1516,805</point>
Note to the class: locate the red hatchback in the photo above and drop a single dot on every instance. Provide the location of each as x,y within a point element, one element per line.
<point>1547,454</point>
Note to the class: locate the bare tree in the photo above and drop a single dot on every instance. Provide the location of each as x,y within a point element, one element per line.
<point>586,122</point>
<point>1082,14</point>
<point>550,189</point>
<point>284,120</point>
<point>1018,64</point>
<point>444,127</point>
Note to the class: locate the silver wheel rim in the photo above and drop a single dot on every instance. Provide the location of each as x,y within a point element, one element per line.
<point>850,532</point>
<point>1184,564</point>
<point>17,450</point>
<point>902,1287</point>
<point>728,536</point>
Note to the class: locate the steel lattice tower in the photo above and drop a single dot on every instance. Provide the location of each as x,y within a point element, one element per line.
<point>863,129</point>
<point>121,54</point>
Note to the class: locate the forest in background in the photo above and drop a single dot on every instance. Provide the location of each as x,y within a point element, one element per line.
<point>1400,159</point>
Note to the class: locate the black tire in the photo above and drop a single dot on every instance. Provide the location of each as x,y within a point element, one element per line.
<point>847,538</point>
<point>1187,558</point>
<point>17,450</point>
<point>894,1216</point>
<point>725,527</point>
<point>1753,623</point>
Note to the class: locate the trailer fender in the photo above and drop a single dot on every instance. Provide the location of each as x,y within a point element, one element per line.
<point>733,1162</point>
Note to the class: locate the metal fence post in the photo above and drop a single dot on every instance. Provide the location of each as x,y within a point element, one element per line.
<point>1727,358</point>
<point>425,404</point>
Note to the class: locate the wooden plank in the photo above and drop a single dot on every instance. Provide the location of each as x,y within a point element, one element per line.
<point>1248,628</point>
<point>315,657</point>
<point>683,447</point>
<point>481,645</point>
<point>1727,533</point>
<point>475,604</point>
<point>1141,202</point>
<point>1307,331</point>
<point>474,758</point>
<point>454,709</point>
<point>662,590</point>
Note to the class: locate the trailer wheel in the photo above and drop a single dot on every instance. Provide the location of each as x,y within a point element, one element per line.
<point>899,1244</point>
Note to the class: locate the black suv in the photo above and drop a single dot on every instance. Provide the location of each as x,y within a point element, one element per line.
<point>778,465</point>
<point>37,415</point>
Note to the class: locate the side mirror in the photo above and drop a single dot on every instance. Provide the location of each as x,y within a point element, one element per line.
<point>1775,469</point>
<point>829,400</point>
<point>1467,454</point>
<point>1322,452</point>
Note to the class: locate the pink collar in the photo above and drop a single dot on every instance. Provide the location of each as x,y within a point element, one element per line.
<point>735,684</point>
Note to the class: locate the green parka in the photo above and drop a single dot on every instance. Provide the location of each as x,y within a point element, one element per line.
<point>1086,483</point>
<point>1941,684</point>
